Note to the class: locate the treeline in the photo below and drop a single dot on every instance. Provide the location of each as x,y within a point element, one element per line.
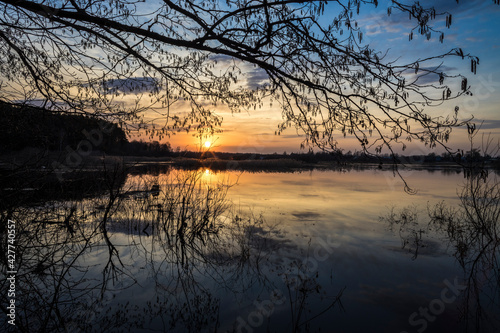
<point>23,126</point>
<point>156,149</point>
<point>349,157</point>
<point>141,148</point>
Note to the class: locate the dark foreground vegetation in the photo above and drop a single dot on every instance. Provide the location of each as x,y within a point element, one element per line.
<point>29,126</point>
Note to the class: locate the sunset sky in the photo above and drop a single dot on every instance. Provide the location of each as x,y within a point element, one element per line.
<point>475,29</point>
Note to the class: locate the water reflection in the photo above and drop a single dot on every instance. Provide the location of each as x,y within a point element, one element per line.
<point>472,231</point>
<point>189,251</point>
<point>161,252</point>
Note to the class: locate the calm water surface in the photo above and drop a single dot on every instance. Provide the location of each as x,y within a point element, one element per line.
<point>279,252</point>
<point>384,283</point>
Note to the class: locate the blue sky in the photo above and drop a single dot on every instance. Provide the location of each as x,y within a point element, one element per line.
<point>475,29</point>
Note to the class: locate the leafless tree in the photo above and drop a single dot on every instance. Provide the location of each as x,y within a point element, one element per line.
<point>83,56</point>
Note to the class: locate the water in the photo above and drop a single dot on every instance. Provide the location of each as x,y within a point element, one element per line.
<point>247,252</point>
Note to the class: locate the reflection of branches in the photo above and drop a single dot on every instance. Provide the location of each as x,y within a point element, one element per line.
<point>51,240</point>
<point>409,229</point>
<point>184,243</point>
<point>301,283</point>
<point>234,250</point>
<point>111,207</point>
<point>196,238</point>
<point>473,230</point>
<point>49,280</point>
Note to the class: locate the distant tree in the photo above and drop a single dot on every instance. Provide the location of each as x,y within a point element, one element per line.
<point>430,158</point>
<point>473,155</point>
<point>83,56</point>
<point>141,148</point>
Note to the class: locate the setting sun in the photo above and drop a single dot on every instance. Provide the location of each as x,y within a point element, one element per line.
<point>207,144</point>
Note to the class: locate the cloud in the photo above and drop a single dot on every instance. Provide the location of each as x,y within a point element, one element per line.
<point>428,79</point>
<point>256,78</point>
<point>424,78</point>
<point>378,22</point>
<point>450,37</point>
<point>473,39</point>
<point>396,39</point>
<point>38,102</point>
<point>392,29</point>
<point>221,58</point>
<point>462,8</point>
<point>488,124</point>
<point>442,68</point>
<point>130,85</point>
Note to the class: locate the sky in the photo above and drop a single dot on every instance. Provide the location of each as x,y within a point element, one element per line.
<point>475,29</point>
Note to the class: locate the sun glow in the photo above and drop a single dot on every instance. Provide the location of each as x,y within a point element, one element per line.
<point>207,144</point>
